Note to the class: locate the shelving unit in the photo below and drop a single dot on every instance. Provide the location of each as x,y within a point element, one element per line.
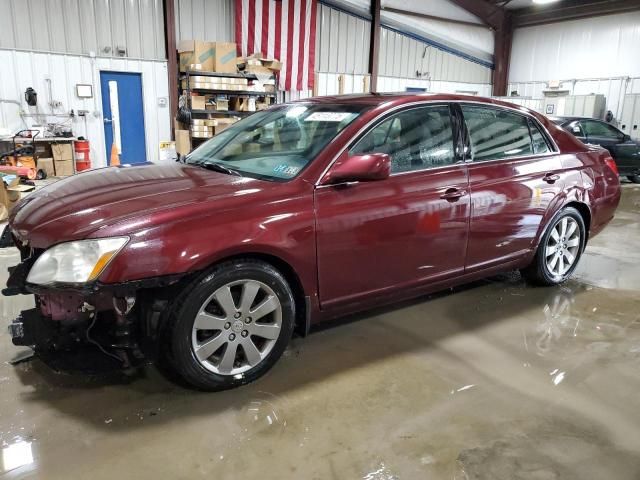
<point>185,85</point>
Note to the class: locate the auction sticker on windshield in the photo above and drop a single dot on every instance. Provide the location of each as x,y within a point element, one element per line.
<point>286,169</point>
<point>327,116</point>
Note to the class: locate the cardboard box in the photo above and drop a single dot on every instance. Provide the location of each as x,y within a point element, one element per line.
<point>10,190</point>
<point>219,80</point>
<point>201,134</point>
<point>258,70</point>
<point>195,52</point>
<point>222,104</point>
<point>219,128</point>
<point>262,105</point>
<point>211,56</point>
<point>62,151</point>
<point>225,57</point>
<point>198,102</point>
<point>271,64</point>
<point>183,142</point>
<point>46,165</point>
<point>223,123</point>
<point>63,168</point>
<point>239,104</point>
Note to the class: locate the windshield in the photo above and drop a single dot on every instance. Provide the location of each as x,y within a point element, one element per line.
<point>275,144</point>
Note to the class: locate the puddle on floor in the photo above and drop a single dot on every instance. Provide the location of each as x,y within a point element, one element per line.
<point>493,380</point>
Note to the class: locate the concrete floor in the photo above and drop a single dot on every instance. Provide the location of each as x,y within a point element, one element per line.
<point>497,380</point>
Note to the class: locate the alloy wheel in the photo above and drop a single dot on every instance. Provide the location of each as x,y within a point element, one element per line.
<point>563,246</point>
<point>237,327</point>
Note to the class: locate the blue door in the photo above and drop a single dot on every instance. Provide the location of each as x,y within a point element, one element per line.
<point>123,115</point>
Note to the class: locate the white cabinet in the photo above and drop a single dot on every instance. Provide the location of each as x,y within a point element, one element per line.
<point>630,118</point>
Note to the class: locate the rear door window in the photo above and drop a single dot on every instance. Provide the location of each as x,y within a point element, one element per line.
<point>415,139</point>
<point>497,133</point>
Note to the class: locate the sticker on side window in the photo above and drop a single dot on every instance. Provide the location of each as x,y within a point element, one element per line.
<point>285,169</point>
<point>327,117</point>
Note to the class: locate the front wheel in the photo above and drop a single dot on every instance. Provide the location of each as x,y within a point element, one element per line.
<point>634,178</point>
<point>559,250</point>
<point>231,326</point>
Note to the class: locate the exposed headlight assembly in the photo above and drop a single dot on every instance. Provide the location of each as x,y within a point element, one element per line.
<point>75,262</point>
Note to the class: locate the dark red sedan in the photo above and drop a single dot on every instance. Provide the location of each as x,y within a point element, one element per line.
<point>296,214</point>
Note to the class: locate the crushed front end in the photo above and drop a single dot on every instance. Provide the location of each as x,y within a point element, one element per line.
<point>86,327</point>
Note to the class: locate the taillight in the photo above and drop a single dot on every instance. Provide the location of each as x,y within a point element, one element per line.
<point>611,163</point>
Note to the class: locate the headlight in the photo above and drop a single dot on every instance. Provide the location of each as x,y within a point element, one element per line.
<point>75,262</point>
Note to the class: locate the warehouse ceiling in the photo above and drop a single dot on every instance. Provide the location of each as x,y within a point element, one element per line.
<point>530,12</point>
<point>523,12</point>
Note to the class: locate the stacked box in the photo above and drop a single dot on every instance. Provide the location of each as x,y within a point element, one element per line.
<point>211,56</point>
<point>62,159</point>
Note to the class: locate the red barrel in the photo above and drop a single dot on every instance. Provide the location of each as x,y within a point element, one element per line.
<point>83,161</point>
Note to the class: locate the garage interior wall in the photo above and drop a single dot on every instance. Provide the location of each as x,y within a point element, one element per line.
<point>342,48</point>
<point>211,20</point>
<point>594,55</point>
<point>69,42</point>
<point>405,61</point>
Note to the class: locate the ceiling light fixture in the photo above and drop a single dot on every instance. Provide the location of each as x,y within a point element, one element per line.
<point>542,2</point>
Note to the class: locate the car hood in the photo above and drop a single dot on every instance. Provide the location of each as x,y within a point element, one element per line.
<point>87,204</point>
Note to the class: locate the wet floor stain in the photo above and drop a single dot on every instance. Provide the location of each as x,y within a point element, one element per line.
<point>495,380</point>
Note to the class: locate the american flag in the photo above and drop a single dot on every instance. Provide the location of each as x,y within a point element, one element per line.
<point>280,29</point>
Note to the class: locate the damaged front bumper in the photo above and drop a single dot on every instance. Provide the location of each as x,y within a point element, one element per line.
<point>118,321</point>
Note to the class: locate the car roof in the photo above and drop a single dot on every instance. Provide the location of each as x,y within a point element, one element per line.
<point>398,98</point>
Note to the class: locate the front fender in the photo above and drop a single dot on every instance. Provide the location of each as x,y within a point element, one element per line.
<point>194,244</point>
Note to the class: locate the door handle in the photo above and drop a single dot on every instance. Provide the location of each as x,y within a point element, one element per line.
<point>551,178</point>
<point>453,194</point>
<point>107,120</point>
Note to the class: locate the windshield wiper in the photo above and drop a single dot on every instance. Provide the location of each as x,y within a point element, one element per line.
<point>216,167</point>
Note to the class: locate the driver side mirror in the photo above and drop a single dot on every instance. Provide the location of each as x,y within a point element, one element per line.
<point>358,168</point>
<point>626,137</point>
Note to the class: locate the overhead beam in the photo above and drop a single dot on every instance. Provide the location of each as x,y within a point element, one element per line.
<point>424,16</point>
<point>501,23</point>
<point>172,58</point>
<point>571,10</point>
<point>489,13</point>
<point>374,47</point>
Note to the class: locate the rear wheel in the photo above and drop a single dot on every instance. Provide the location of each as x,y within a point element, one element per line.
<point>634,178</point>
<point>232,325</point>
<point>559,250</point>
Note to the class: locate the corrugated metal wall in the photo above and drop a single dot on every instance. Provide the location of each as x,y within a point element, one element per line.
<point>343,46</point>
<point>342,42</point>
<point>403,56</point>
<point>598,47</point>
<point>30,69</point>
<point>83,26</point>
<point>329,84</point>
<point>211,20</point>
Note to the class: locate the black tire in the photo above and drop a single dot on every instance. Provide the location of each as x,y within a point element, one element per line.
<point>634,178</point>
<point>538,272</point>
<point>178,334</point>
<point>41,175</point>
